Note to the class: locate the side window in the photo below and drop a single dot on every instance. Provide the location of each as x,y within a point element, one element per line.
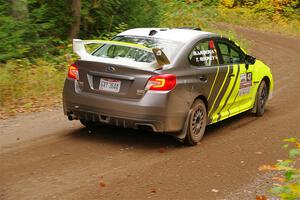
<point>230,53</point>
<point>204,54</point>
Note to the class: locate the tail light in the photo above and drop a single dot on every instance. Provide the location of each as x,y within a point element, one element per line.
<point>73,72</point>
<point>163,82</point>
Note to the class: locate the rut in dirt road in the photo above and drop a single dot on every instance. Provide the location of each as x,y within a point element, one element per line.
<point>57,159</point>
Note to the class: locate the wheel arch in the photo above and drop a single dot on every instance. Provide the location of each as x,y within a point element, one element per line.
<point>268,83</point>
<point>182,133</point>
<point>203,98</point>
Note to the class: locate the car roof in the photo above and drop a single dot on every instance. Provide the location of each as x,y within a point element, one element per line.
<point>175,34</point>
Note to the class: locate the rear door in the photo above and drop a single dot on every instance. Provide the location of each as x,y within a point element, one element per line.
<point>212,78</point>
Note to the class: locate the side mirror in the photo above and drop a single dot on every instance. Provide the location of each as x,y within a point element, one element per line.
<point>250,60</point>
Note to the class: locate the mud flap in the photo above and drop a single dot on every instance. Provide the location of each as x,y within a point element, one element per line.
<point>183,132</point>
<point>253,110</point>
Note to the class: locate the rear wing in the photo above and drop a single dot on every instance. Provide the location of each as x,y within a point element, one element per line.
<point>80,50</point>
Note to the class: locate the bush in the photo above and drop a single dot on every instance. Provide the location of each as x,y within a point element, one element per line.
<point>30,85</point>
<point>288,187</point>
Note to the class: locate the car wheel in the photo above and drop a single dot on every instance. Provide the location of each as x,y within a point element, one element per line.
<point>261,98</point>
<point>89,124</point>
<point>196,123</point>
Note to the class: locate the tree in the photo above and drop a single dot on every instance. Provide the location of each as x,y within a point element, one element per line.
<point>75,27</point>
<point>19,9</point>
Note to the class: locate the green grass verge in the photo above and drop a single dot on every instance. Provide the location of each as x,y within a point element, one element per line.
<point>181,14</point>
<point>30,86</point>
<point>259,20</point>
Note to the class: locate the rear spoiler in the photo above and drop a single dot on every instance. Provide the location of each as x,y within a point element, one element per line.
<point>79,49</point>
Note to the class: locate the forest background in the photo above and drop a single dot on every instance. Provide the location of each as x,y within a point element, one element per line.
<point>35,35</point>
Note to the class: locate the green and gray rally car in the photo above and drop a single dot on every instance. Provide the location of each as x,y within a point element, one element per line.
<point>175,81</point>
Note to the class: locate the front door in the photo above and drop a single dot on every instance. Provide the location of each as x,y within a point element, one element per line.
<point>240,90</point>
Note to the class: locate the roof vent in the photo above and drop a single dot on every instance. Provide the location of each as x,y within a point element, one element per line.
<point>190,28</point>
<point>152,32</point>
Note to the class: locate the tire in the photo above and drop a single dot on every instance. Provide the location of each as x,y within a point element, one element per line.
<point>197,120</point>
<point>89,124</point>
<point>261,98</point>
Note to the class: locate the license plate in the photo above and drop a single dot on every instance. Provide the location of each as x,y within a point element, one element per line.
<point>109,85</point>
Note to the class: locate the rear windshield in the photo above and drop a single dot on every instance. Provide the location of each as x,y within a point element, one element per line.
<point>129,53</point>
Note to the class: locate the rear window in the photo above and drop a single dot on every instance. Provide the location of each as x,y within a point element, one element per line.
<point>121,52</point>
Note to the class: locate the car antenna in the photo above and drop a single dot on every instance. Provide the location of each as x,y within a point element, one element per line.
<point>152,32</point>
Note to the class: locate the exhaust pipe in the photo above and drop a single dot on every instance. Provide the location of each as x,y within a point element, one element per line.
<point>71,116</point>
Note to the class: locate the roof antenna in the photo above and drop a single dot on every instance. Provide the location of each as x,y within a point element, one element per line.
<point>152,32</point>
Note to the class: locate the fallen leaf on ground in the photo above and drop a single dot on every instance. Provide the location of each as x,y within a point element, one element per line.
<point>102,184</point>
<point>280,179</point>
<point>261,198</point>
<point>162,150</point>
<point>267,168</point>
<point>153,190</point>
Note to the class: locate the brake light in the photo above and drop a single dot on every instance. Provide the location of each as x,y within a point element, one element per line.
<point>73,72</point>
<point>163,82</point>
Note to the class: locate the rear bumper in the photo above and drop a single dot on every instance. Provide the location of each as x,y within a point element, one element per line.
<point>154,111</point>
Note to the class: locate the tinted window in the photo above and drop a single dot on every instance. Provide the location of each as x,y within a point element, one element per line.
<point>204,54</point>
<point>230,53</point>
<point>170,48</point>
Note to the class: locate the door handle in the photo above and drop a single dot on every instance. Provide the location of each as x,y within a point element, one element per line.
<point>231,75</point>
<point>203,79</point>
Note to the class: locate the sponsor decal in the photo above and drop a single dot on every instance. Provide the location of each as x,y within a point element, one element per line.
<point>246,83</point>
<point>205,55</point>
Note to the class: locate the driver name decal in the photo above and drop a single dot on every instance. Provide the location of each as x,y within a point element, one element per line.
<point>205,55</point>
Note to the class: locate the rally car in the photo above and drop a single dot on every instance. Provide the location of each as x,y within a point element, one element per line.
<point>174,81</point>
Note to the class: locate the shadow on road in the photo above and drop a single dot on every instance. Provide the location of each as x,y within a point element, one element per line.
<point>121,136</point>
<point>125,137</point>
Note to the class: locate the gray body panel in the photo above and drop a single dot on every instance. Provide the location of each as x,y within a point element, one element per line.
<point>133,106</point>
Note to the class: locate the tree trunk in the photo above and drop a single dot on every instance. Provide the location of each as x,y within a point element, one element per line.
<point>75,27</point>
<point>19,9</point>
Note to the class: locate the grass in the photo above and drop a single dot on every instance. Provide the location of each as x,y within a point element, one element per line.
<point>196,14</point>
<point>30,86</point>
<point>259,20</point>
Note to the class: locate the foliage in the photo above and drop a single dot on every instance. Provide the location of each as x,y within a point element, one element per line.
<point>35,49</point>
<point>228,3</point>
<point>42,28</point>
<point>278,15</point>
<point>30,85</point>
<point>193,14</point>
<point>46,24</point>
<point>102,16</point>
<point>197,14</point>
<point>289,186</point>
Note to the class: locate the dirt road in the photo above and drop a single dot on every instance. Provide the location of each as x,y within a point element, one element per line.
<point>44,156</point>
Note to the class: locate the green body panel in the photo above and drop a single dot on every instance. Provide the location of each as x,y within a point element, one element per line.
<point>234,101</point>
